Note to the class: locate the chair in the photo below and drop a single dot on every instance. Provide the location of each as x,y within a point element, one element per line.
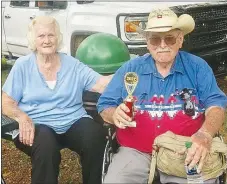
<point>8,125</point>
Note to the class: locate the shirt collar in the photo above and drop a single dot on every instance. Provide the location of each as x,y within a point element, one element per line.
<point>177,65</point>
<point>149,67</point>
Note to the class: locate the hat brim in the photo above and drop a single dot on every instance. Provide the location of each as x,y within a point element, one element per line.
<point>185,23</point>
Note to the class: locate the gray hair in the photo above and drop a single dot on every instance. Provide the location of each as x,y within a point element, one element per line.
<point>42,20</point>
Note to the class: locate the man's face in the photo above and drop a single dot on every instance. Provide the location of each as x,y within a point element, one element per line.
<point>164,46</point>
<point>45,38</point>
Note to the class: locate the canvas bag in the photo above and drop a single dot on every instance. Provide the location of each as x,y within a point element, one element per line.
<point>167,161</point>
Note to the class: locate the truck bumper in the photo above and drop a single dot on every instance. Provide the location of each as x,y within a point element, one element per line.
<point>138,49</point>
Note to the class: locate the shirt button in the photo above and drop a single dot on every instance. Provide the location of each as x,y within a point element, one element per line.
<point>163,80</point>
<point>158,126</point>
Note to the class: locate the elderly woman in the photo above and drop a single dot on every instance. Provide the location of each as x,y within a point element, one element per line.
<point>43,93</point>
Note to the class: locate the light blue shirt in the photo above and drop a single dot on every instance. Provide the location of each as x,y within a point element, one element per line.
<point>58,108</point>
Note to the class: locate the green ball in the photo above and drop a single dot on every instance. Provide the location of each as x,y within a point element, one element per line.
<point>103,52</point>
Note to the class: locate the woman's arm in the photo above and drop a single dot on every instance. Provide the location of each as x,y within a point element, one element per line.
<point>26,127</point>
<point>101,83</point>
<point>10,108</point>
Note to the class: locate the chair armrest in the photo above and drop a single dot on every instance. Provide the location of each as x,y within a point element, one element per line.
<point>8,124</point>
<point>111,136</point>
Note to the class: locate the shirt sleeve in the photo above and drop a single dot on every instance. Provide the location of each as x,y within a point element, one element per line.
<point>13,85</point>
<point>209,92</point>
<point>88,76</point>
<point>112,95</point>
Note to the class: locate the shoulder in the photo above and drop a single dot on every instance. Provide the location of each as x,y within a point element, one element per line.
<point>192,59</point>
<point>24,61</point>
<point>137,62</point>
<point>69,60</point>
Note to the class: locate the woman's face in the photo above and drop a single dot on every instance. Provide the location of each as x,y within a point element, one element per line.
<point>46,40</point>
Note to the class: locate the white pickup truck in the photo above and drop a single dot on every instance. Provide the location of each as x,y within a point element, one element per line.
<point>80,19</point>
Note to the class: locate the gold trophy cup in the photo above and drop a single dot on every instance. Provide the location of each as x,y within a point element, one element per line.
<point>131,81</point>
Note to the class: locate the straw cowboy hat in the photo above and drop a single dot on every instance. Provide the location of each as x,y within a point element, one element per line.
<point>163,20</point>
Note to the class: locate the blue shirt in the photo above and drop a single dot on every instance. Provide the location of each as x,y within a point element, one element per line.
<point>58,108</point>
<point>188,71</point>
<point>175,103</point>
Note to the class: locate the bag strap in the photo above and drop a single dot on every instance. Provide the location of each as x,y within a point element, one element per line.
<point>152,166</point>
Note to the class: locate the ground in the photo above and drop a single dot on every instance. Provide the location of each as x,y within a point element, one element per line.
<point>16,166</point>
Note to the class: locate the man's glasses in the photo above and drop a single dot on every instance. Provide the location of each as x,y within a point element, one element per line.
<point>169,40</point>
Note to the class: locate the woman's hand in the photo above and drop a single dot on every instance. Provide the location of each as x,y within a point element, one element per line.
<point>120,118</point>
<point>201,144</point>
<point>26,130</point>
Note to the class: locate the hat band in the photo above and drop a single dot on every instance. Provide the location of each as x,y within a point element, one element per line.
<point>160,27</point>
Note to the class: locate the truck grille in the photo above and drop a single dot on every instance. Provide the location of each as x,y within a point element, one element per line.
<point>211,26</point>
<point>209,39</point>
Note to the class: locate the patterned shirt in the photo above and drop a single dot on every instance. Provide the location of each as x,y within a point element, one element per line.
<point>176,102</point>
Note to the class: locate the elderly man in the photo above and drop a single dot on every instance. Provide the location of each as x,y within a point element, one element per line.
<point>176,91</point>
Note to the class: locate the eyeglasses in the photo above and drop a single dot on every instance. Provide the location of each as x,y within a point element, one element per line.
<point>169,40</point>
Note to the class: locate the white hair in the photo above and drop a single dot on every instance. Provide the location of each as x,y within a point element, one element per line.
<point>43,20</point>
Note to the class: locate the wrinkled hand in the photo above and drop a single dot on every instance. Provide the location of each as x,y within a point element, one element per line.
<point>201,144</point>
<point>121,119</point>
<point>26,130</point>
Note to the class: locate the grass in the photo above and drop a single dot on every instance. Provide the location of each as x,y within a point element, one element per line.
<point>4,76</point>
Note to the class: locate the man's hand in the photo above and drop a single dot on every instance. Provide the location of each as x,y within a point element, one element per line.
<point>201,144</point>
<point>120,118</point>
<point>26,130</point>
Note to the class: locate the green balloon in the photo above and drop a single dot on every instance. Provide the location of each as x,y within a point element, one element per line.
<point>103,52</point>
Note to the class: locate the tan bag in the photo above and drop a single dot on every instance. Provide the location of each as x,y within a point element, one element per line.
<point>171,163</point>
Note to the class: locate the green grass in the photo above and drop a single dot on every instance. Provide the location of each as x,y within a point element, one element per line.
<point>4,76</point>
<point>5,69</point>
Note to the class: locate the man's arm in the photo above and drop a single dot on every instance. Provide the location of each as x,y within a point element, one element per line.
<point>202,139</point>
<point>117,116</point>
<point>214,118</point>
<point>101,83</point>
<point>26,127</point>
<point>107,115</point>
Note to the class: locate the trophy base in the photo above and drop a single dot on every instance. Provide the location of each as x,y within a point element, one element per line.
<point>130,124</point>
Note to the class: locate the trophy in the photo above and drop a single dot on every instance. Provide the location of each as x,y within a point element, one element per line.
<point>130,80</point>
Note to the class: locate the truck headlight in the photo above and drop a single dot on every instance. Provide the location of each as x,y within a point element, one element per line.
<point>133,28</point>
